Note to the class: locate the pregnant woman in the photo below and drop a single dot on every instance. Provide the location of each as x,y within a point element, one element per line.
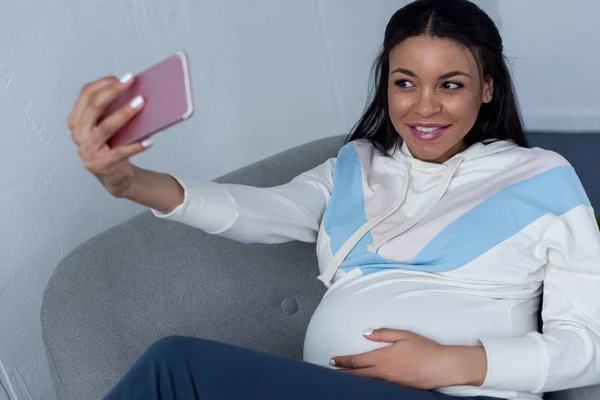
<point>437,232</point>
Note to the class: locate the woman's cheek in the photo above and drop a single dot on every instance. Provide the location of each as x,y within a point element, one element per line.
<point>462,109</point>
<point>399,106</point>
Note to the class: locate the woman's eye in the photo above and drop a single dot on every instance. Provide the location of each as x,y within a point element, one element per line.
<point>403,83</point>
<point>452,85</point>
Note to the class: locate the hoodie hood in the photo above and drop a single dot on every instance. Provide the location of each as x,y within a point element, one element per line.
<point>472,153</point>
<point>447,171</point>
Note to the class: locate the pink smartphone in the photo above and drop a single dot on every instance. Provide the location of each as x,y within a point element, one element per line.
<point>167,92</point>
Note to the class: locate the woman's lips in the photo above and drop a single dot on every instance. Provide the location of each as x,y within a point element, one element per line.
<point>438,132</point>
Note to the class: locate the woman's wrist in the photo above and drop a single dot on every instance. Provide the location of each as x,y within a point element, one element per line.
<point>468,365</point>
<point>155,190</point>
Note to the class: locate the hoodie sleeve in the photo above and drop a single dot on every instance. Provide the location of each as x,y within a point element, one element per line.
<point>248,214</point>
<point>567,353</point>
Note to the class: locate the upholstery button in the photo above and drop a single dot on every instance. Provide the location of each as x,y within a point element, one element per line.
<point>289,306</point>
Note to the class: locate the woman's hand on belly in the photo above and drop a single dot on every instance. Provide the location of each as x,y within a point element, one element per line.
<point>417,362</point>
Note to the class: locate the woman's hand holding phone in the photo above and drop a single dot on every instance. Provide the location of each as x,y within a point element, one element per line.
<point>111,165</point>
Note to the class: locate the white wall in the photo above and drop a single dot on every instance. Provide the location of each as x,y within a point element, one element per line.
<point>267,75</point>
<point>553,48</point>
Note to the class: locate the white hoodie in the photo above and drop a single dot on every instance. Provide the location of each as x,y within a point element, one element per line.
<point>456,252</point>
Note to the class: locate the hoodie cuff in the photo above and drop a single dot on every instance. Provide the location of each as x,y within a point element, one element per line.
<point>177,211</point>
<point>206,205</point>
<point>515,363</point>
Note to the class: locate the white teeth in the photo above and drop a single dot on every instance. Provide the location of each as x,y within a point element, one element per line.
<point>426,130</point>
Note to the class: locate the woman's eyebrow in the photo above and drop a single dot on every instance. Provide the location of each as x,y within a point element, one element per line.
<point>452,74</point>
<point>443,76</point>
<point>405,72</point>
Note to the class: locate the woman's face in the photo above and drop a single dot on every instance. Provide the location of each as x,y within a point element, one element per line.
<point>435,91</point>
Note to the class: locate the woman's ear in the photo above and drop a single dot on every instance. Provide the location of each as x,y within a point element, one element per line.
<point>488,90</point>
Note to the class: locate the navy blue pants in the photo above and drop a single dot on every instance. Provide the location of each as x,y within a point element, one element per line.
<point>187,368</point>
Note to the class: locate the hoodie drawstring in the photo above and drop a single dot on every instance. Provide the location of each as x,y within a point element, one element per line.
<point>353,240</point>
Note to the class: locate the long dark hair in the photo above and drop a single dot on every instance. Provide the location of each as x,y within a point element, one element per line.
<point>465,23</point>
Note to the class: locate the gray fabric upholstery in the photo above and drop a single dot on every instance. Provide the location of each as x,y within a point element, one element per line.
<point>146,278</point>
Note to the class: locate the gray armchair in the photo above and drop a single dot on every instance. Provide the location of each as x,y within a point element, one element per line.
<point>147,278</point>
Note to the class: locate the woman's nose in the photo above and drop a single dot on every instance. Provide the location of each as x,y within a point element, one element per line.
<point>427,104</point>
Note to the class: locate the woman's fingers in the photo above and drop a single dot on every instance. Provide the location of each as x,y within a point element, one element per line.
<point>84,97</point>
<point>98,98</point>
<point>99,101</point>
<point>362,360</point>
<point>111,124</point>
<point>125,152</point>
<point>369,372</point>
<point>105,160</point>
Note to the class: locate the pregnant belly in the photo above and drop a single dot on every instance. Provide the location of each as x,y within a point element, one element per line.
<point>446,314</point>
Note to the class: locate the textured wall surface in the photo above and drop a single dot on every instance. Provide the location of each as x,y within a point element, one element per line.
<point>267,75</point>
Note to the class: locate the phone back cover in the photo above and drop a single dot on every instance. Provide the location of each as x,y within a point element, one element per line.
<point>167,94</point>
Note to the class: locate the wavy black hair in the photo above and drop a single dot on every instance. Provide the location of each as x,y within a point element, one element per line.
<point>466,23</point>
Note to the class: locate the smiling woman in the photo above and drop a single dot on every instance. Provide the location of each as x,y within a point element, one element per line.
<point>433,109</point>
<point>437,230</point>
<point>440,86</point>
